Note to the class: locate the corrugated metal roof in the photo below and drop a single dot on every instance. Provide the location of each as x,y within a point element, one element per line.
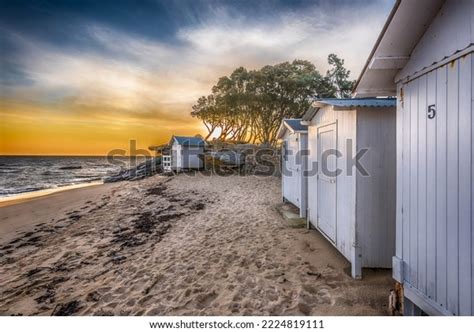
<point>189,141</point>
<point>359,102</point>
<point>295,124</point>
<point>347,104</point>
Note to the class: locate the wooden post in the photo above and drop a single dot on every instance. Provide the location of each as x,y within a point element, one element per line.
<point>356,262</point>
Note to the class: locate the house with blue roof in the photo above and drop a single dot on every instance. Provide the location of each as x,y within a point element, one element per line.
<point>294,137</point>
<point>184,153</point>
<point>351,176</point>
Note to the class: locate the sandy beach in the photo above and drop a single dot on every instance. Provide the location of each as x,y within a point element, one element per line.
<point>176,245</point>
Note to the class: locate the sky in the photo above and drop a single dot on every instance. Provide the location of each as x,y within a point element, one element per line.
<point>86,77</point>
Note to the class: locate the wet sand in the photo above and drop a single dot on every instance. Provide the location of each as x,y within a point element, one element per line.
<point>30,196</point>
<point>174,246</point>
<point>27,210</point>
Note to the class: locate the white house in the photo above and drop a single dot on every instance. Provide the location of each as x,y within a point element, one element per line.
<point>424,55</point>
<point>294,138</point>
<point>353,207</point>
<point>184,153</point>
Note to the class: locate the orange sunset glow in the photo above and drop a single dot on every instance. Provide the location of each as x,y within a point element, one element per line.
<point>35,130</point>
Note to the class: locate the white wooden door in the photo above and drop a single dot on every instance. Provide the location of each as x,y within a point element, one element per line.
<point>295,172</point>
<point>326,180</point>
<point>179,157</point>
<point>286,175</point>
<point>292,185</point>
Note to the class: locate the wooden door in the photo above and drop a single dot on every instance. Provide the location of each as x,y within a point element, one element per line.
<point>326,180</point>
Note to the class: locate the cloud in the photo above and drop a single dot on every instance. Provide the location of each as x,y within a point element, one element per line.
<point>126,68</point>
<point>122,77</point>
<point>140,75</point>
<point>311,34</point>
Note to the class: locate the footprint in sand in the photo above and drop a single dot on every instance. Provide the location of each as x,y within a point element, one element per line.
<point>205,299</point>
<point>157,311</point>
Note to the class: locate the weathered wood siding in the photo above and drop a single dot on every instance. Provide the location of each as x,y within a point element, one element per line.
<point>365,205</point>
<point>303,155</point>
<point>185,157</point>
<point>435,189</point>
<point>375,198</point>
<point>176,157</point>
<point>191,159</point>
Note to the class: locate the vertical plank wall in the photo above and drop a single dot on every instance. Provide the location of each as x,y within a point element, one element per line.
<point>303,160</point>
<point>375,196</point>
<point>434,185</point>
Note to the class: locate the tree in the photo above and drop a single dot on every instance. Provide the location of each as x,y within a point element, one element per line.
<point>283,91</point>
<point>250,105</point>
<point>205,110</point>
<point>338,77</point>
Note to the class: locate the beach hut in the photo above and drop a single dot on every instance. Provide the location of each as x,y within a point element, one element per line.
<point>294,143</point>
<point>424,55</point>
<point>183,153</point>
<point>351,177</point>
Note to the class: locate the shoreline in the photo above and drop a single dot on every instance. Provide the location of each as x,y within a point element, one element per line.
<point>24,212</point>
<point>32,195</point>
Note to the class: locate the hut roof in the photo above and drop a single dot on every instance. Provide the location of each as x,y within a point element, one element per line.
<point>188,140</point>
<point>348,104</point>
<point>293,125</point>
<point>406,24</point>
<point>358,102</point>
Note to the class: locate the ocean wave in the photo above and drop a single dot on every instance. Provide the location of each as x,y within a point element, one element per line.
<point>10,171</point>
<point>70,167</point>
<point>21,190</point>
<point>26,174</point>
<point>49,173</point>
<point>93,177</point>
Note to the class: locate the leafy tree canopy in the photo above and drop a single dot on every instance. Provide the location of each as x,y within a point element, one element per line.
<point>250,105</point>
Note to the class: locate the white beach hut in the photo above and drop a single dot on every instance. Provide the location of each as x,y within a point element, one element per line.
<point>424,55</point>
<point>294,143</point>
<point>353,208</point>
<point>184,153</point>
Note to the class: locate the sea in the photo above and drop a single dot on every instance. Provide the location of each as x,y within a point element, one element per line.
<point>22,174</point>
